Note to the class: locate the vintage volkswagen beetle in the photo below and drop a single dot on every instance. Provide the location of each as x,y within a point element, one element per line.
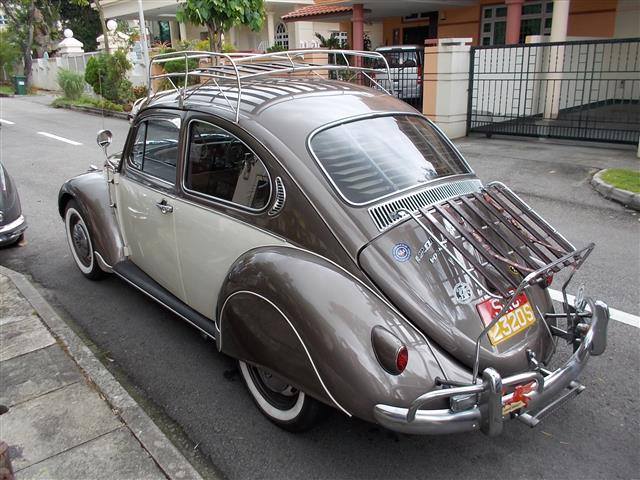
<point>336,243</point>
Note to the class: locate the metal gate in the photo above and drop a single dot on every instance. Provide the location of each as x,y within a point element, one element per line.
<point>584,90</point>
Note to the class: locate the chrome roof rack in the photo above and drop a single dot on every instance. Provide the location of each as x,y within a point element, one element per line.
<point>233,68</point>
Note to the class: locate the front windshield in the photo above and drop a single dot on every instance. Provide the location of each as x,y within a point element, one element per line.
<point>376,157</point>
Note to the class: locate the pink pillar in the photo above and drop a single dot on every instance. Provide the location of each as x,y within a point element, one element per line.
<point>358,26</point>
<point>514,12</point>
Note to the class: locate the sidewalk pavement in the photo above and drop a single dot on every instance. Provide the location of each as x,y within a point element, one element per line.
<point>68,418</point>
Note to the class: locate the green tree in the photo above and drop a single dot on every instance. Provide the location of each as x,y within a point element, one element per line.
<point>31,25</point>
<point>84,21</point>
<point>103,21</point>
<point>9,52</point>
<point>221,15</point>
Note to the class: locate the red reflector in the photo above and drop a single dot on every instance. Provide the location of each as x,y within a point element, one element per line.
<point>549,280</point>
<point>402,358</point>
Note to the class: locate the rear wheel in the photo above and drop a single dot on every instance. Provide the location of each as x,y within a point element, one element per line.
<point>80,244</point>
<point>283,404</point>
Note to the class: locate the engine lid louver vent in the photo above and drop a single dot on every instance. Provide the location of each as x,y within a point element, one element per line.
<point>280,198</point>
<point>384,214</point>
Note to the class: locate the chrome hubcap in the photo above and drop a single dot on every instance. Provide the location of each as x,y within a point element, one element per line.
<point>80,239</point>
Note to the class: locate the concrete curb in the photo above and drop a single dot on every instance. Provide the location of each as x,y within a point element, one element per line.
<point>96,111</point>
<point>163,452</point>
<point>625,197</point>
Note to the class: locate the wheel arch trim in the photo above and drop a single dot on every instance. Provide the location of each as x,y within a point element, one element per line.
<point>283,315</point>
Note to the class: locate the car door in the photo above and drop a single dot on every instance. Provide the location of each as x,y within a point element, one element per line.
<point>226,190</point>
<point>145,194</point>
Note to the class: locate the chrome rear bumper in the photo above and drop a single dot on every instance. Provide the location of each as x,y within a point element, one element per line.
<point>488,414</point>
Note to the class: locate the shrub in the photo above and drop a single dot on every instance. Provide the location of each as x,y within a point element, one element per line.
<point>107,75</point>
<point>276,48</point>
<point>72,83</point>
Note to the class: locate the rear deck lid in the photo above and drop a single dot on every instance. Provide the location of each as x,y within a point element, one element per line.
<point>450,267</point>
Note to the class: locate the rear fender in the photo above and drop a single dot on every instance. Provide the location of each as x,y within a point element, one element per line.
<point>304,318</point>
<point>91,192</point>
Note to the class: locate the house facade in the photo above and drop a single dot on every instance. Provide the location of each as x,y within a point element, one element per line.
<point>160,16</point>
<point>486,22</point>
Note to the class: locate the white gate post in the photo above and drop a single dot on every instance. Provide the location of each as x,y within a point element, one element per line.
<point>559,24</point>
<point>446,83</point>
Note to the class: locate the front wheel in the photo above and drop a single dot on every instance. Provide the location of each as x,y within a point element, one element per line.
<point>80,244</point>
<point>283,404</point>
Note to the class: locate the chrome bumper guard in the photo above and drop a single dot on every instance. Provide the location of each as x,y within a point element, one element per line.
<point>487,413</point>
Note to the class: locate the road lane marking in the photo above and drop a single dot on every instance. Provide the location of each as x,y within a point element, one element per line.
<point>62,139</point>
<point>2,120</point>
<point>618,315</point>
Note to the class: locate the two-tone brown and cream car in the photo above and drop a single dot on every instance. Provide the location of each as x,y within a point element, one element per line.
<point>336,243</point>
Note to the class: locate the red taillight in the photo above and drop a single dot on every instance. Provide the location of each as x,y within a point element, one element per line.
<point>548,280</point>
<point>402,358</point>
<point>419,74</point>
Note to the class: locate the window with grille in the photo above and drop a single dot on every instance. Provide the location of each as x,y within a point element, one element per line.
<point>282,36</point>
<point>535,20</point>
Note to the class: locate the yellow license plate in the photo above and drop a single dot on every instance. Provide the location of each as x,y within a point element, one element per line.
<point>518,318</point>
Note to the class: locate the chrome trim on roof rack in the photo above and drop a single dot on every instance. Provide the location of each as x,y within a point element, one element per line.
<point>236,67</point>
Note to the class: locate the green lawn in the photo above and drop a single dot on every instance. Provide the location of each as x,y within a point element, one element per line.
<point>6,89</point>
<point>624,179</point>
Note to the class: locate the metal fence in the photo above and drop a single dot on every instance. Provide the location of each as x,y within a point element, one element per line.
<point>583,90</point>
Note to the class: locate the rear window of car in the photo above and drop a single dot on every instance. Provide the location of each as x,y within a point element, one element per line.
<point>376,157</point>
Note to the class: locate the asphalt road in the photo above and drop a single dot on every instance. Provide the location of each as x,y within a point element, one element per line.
<point>195,393</point>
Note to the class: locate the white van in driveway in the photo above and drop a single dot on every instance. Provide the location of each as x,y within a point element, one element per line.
<point>405,65</point>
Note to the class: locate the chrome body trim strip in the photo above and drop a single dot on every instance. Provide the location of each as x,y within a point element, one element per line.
<point>294,331</point>
<point>483,415</point>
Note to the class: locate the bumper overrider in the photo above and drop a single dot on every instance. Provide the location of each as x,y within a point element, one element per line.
<point>484,406</point>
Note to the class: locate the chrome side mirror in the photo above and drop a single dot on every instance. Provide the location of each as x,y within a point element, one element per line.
<point>104,139</point>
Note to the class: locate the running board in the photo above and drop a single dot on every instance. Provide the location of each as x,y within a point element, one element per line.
<point>131,274</point>
<point>574,389</point>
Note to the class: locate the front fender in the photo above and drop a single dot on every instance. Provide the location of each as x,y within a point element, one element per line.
<point>91,192</point>
<point>302,317</point>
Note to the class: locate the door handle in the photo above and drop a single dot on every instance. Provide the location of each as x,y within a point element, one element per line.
<point>164,207</point>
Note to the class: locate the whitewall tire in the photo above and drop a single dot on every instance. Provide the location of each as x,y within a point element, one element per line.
<point>80,242</point>
<point>281,403</point>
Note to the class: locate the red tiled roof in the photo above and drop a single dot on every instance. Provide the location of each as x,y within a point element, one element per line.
<point>315,10</point>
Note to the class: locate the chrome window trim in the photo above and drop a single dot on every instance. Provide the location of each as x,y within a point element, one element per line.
<point>377,115</point>
<point>237,206</point>
<point>136,170</point>
<point>315,369</point>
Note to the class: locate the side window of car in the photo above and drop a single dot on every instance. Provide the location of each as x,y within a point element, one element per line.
<point>155,148</point>
<point>220,165</point>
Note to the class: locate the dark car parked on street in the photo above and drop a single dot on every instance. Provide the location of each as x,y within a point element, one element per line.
<point>337,244</point>
<point>12,222</point>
